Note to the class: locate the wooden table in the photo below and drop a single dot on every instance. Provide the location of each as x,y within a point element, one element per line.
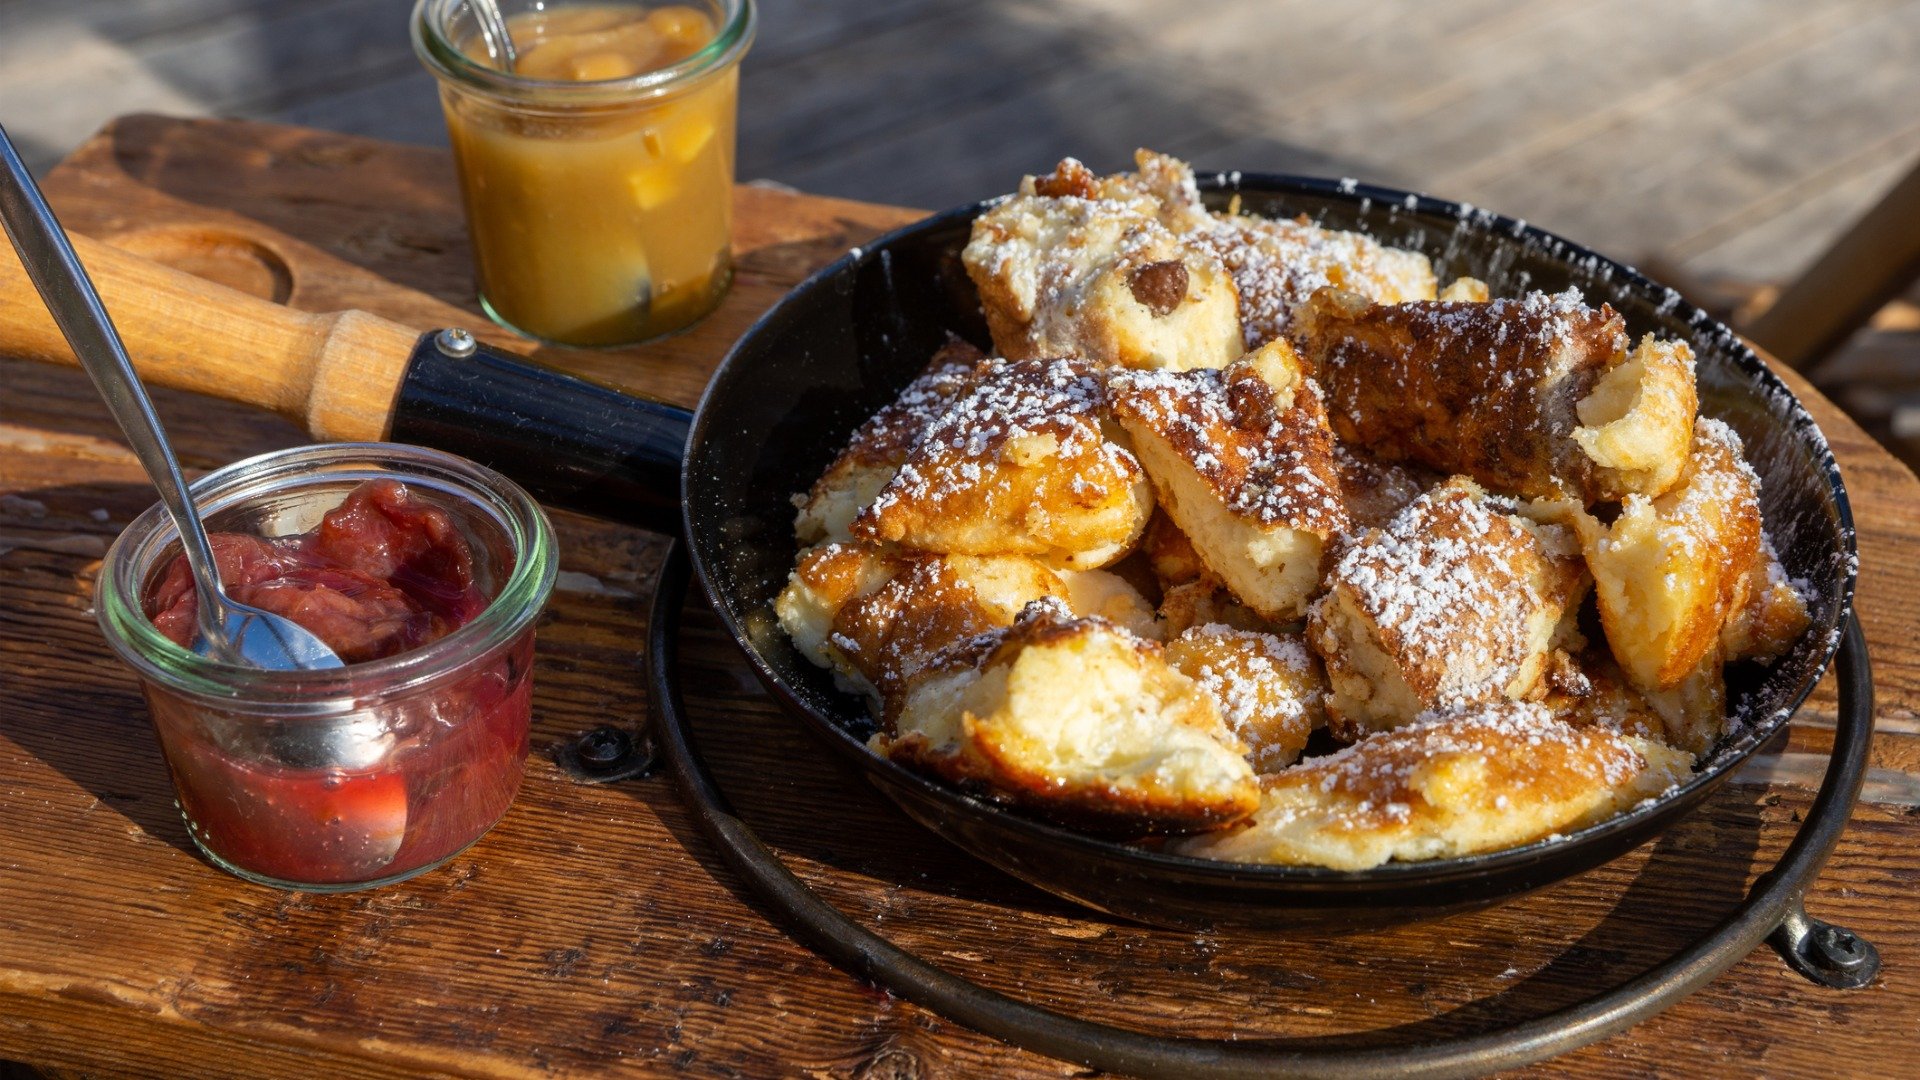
<point>594,928</point>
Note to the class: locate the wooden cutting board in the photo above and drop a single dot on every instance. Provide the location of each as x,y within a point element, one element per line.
<point>594,929</point>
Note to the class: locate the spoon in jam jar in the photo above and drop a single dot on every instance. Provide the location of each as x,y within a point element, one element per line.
<point>229,631</point>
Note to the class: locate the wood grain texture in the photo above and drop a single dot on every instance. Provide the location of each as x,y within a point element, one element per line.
<point>336,374</point>
<point>594,930</point>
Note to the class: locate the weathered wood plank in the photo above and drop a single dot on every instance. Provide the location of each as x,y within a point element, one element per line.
<point>1722,146</point>
<point>808,109</point>
<point>1778,236</point>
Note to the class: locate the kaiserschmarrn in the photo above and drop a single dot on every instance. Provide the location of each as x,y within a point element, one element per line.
<point>1244,533</point>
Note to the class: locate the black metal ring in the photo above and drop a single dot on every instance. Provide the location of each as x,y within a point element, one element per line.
<point>867,955</point>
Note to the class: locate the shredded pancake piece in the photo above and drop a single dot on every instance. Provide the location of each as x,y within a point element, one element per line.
<point>1670,571</point>
<point>880,446</point>
<point>1018,464</point>
<point>1078,720</point>
<point>1453,783</point>
<point>1267,687</point>
<point>1276,263</point>
<point>1493,390</point>
<point>1242,461</point>
<point>1454,602</point>
<point>873,617</point>
<point>1070,266</point>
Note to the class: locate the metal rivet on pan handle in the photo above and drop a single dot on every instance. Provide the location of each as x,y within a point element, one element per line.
<point>455,342</point>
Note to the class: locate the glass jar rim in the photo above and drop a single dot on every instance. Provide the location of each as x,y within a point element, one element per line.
<point>130,632</point>
<point>447,61</point>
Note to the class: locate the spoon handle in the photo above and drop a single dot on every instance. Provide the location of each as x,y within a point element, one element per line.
<point>63,284</point>
<point>495,35</point>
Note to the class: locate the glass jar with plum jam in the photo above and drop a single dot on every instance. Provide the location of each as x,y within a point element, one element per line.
<point>426,574</point>
<point>597,174</point>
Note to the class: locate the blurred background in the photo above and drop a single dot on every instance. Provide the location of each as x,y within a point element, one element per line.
<point>1723,144</point>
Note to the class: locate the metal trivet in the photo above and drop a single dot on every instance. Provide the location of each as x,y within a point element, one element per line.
<point>1827,954</point>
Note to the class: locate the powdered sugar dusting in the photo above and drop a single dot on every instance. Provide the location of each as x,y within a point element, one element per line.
<point>1043,408</point>
<point>1266,459</point>
<point>1439,586</point>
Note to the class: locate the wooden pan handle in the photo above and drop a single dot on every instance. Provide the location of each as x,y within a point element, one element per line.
<point>337,375</point>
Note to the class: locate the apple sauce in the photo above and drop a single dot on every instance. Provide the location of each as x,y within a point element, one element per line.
<point>598,174</point>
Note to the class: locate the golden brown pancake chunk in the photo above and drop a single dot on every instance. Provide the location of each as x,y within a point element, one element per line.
<point>1774,615</point>
<point>1454,602</point>
<point>1276,263</point>
<point>1495,391</point>
<point>1267,687</point>
<point>1636,424</point>
<point>880,446</point>
<point>1078,720</point>
<point>874,617</point>
<point>1691,717</point>
<point>1018,464</point>
<point>1671,570</point>
<point>1242,461</point>
<point>1478,779</point>
<point>825,579</point>
<point>1065,268</point>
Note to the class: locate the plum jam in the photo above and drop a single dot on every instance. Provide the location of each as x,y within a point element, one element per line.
<point>384,573</point>
<point>425,574</point>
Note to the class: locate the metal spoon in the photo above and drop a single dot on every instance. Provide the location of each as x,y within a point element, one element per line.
<point>229,631</point>
<point>494,33</point>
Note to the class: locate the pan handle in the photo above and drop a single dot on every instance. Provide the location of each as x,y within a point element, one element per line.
<point>353,377</point>
<point>572,442</point>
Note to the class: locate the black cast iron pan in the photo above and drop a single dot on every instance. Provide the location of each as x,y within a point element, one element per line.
<point>841,345</point>
<point>845,341</point>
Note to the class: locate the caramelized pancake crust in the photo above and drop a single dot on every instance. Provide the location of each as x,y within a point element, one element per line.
<point>1486,389</point>
<point>1078,720</point>
<point>1242,461</point>
<point>880,446</point>
<point>1482,778</point>
<point>874,617</point>
<point>1018,464</point>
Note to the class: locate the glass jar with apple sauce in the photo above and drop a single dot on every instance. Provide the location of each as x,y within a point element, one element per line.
<point>598,173</point>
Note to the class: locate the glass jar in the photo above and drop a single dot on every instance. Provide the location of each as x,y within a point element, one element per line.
<point>365,774</point>
<point>600,211</point>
